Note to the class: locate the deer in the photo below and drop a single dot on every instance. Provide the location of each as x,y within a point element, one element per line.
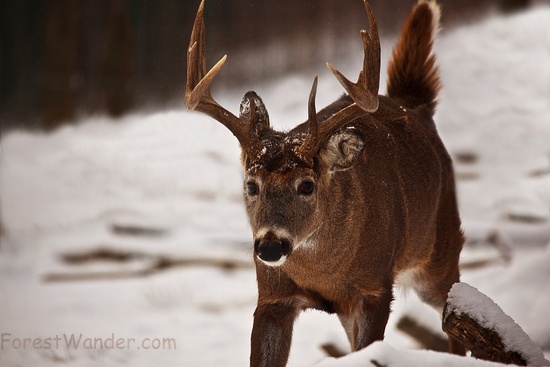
<point>356,199</point>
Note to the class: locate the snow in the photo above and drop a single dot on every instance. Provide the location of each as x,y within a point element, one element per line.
<point>383,354</point>
<point>178,175</point>
<point>465,299</point>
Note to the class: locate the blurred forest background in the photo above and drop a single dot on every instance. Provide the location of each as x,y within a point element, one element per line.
<point>62,59</point>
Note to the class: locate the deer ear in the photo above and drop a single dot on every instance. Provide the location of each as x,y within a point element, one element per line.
<point>261,118</point>
<point>342,150</point>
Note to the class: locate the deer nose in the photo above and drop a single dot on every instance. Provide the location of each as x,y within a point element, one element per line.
<point>271,251</point>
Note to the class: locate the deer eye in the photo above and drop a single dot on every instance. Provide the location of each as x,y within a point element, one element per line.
<point>306,188</point>
<point>252,188</point>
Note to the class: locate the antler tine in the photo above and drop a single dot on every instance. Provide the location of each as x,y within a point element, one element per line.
<point>313,125</point>
<point>371,49</point>
<point>197,87</point>
<point>310,145</point>
<point>365,92</point>
<point>197,92</point>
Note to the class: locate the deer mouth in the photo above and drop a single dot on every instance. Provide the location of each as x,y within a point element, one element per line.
<point>272,252</point>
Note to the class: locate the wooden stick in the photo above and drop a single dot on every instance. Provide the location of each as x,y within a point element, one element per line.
<point>156,263</point>
<point>426,338</point>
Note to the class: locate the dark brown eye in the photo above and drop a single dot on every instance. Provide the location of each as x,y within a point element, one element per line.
<point>252,188</point>
<point>306,188</point>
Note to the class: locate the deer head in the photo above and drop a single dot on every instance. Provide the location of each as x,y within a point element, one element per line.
<point>287,172</point>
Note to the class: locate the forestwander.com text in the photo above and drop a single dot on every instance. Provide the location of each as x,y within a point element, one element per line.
<point>80,341</point>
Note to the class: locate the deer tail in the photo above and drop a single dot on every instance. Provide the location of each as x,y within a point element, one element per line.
<point>413,78</point>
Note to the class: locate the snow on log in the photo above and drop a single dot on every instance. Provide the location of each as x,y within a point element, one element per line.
<point>481,325</point>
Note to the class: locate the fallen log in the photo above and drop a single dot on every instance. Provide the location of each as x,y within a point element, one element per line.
<point>482,327</point>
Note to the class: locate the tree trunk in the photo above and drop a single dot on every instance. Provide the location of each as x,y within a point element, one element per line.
<point>60,62</point>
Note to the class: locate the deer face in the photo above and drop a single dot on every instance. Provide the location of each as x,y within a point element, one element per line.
<point>282,187</point>
<point>282,208</point>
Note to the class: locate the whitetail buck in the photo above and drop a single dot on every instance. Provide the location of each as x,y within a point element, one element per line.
<point>357,198</point>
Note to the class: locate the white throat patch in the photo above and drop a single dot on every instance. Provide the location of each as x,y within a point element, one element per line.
<point>308,243</point>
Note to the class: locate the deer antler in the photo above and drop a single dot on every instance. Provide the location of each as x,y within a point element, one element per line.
<point>310,145</point>
<point>364,94</point>
<point>199,98</point>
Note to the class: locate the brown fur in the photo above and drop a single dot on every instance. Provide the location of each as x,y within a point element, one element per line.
<point>413,78</point>
<point>352,200</point>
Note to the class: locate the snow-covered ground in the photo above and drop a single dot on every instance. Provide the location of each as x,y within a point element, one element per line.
<point>170,184</point>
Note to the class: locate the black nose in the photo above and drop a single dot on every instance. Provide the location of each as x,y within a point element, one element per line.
<point>272,250</point>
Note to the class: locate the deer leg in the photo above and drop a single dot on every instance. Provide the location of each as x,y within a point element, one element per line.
<point>433,286</point>
<point>347,323</point>
<point>435,294</point>
<point>272,334</point>
<point>369,324</point>
<point>456,347</point>
<point>435,281</point>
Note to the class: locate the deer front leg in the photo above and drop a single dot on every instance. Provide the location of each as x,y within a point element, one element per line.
<point>272,334</point>
<point>367,323</point>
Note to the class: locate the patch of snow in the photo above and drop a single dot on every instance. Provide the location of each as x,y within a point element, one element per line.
<point>383,354</point>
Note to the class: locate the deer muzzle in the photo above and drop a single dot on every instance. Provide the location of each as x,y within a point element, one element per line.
<point>271,249</point>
